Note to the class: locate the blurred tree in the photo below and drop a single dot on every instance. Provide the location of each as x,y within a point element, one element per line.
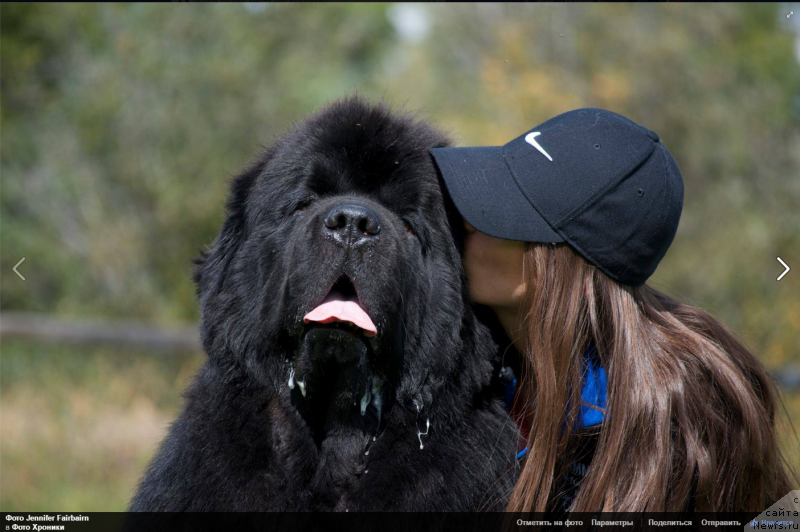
<point>121,123</point>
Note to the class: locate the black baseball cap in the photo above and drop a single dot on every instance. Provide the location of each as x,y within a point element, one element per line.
<point>589,177</point>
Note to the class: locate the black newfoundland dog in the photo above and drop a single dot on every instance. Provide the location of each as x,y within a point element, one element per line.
<point>346,369</point>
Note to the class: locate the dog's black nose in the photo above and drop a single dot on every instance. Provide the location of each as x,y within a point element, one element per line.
<point>355,219</point>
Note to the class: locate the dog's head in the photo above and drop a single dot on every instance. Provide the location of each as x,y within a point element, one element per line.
<point>336,276</point>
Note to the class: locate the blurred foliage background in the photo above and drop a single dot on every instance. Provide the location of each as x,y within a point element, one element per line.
<point>122,123</point>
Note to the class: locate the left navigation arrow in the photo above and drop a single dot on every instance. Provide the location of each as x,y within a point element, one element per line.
<point>17,266</point>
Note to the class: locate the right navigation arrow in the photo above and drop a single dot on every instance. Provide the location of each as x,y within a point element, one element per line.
<point>784,271</point>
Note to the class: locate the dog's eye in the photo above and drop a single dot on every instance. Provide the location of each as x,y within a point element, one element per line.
<point>408,227</point>
<point>302,206</point>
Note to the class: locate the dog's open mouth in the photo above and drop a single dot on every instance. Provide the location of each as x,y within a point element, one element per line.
<point>341,309</point>
<point>337,371</point>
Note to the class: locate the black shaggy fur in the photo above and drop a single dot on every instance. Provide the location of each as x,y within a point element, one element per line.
<point>246,440</point>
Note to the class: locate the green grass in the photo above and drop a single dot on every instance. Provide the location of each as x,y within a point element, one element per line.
<point>78,426</point>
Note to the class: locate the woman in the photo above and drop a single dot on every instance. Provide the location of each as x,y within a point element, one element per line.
<point>629,400</point>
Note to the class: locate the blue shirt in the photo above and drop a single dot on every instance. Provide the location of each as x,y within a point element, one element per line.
<point>593,392</point>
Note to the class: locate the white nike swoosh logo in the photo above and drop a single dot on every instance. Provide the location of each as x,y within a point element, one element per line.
<point>530,138</point>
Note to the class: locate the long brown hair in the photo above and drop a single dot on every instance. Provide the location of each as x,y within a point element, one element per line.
<point>690,421</point>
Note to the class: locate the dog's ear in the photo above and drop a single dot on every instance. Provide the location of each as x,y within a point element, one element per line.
<point>210,266</point>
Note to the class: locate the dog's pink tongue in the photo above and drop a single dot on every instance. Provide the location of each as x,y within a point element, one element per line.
<point>336,308</point>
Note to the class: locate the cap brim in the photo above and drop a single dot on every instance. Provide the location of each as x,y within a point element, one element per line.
<point>487,196</point>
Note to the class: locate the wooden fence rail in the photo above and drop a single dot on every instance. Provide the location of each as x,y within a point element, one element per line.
<point>163,340</point>
<point>124,333</point>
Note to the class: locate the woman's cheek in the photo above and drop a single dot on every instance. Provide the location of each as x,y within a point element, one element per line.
<point>476,279</point>
<point>494,270</point>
